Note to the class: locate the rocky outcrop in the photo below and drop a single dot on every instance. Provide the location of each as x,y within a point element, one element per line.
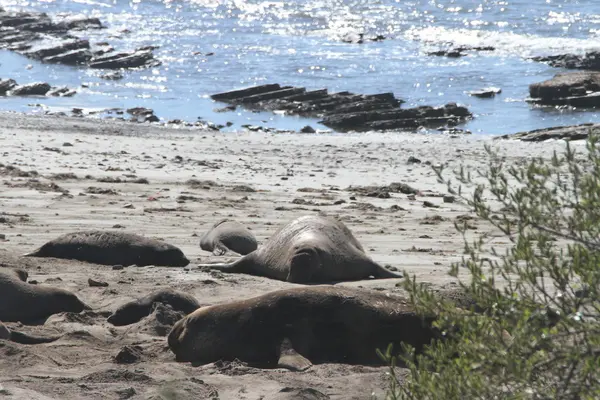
<point>589,61</point>
<point>135,59</point>
<point>574,132</point>
<point>8,87</point>
<point>578,89</point>
<point>36,36</point>
<point>485,93</point>
<point>31,89</point>
<point>344,111</point>
<point>460,51</point>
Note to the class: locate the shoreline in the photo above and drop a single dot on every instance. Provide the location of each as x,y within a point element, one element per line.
<point>92,174</point>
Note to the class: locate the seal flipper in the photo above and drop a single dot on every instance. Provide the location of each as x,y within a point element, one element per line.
<point>290,358</point>
<point>380,272</point>
<point>242,264</point>
<point>219,249</point>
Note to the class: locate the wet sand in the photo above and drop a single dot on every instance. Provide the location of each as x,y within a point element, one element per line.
<point>60,175</point>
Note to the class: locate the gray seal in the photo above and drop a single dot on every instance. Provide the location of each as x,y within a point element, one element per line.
<point>309,249</point>
<point>112,248</point>
<point>24,302</point>
<point>134,311</point>
<point>23,338</point>
<point>293,328</point>
<point>228,235</point>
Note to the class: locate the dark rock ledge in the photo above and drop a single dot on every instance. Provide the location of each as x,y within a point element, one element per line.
<point>576,89</point>
<point>37,36</point>
<point>573,132</point>
<point>345,111</point>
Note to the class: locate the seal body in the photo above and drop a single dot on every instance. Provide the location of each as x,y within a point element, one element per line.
<point>112,248</point>
<point>134,311</point>
<point>317,323</point>
<point>24,302</point>
<point>228,235</point>
<point>310,249</point>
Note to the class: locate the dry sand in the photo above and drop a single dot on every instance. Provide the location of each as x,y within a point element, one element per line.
<point>253,178</point>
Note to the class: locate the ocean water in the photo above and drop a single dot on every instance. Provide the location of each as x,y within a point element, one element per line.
<point>298,42</point>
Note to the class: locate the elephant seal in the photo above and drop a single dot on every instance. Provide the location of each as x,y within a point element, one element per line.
<point>112,248</point>
<point>309,249</point>
<point>24,302</point>
<point>23,338</point>
<point>228,235</point>
<point>292,328</point>
<point>134,311</point>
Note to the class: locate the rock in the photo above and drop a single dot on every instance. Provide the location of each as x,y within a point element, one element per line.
<point>72,57</point>
<point>448,198</point>
<point>112,76</point>
<point>589,61</point>
<point>80,23</point>
<point>455,52</point>
<point>94,283</point>
<point>447,53</point>
<point>135,59</point>
<point>399,118</point>
<point>579,89</point>
<point>6,85</point>
<point>574,132</point>
<point>142,114</point>
<point>129,355</point>
<point>52,48</point>
<point>413,160</point>
<point>486,93</point>
<point>308,129</point>
<point>61,92</point>
<point>344,111</point>
<point>31,89</point>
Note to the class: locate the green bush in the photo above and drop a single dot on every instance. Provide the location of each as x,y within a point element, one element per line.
<point>538,336</point>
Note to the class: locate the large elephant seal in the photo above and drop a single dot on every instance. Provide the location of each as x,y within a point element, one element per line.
<point>310,249</point>
<point>112,248</point>
<point>23,338</point>
<point>228,235</point>
<point>295,327</point>
<point>24,302</point>
<point>134,311</point>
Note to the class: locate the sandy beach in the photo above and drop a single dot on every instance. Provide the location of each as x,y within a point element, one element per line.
<point>61,175</point>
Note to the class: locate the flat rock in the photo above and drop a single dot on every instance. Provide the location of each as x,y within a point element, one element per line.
<point>486,93</point>
<point>571,88</point>
<point>31,89</point>
<point>135,59</point>
<point>53,48</point>
<point>573,132</point>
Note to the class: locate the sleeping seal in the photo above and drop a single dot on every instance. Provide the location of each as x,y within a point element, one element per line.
<point>228,235</point>
<point>23,338</point>
<point>293,328</point>
<point>310,249</point>
<point>23,302</point>
<point>134,311</point>
<point>112,248</point>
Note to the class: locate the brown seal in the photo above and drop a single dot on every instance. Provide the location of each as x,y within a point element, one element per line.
<point>295,327</point>
<point>309,249</point>
<point>24,302</point>
<point>112,248</point>
<point>134,311</point>
<point>23,338</point>
<point>228,235</point>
